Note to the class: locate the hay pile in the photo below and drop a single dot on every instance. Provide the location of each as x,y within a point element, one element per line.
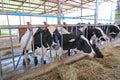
<point>88,68</point>
<point>60,73</point>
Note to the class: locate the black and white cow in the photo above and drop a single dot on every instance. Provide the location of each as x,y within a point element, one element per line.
<point>78,42</point>
<point>40,42</point>
<point>95,34</point>
<point>111,30</point>
<point>91,33</point>
<point>57,38</point>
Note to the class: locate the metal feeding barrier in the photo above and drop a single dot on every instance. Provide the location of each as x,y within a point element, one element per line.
<point>16,64</point>
<point>10,27</point>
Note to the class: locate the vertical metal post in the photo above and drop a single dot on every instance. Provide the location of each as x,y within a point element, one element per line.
<point>2,5</point>
<point>0,69</point>
<point>96,12</point>
<point>20,20</point>
<point>2,10</point>
<point>0,55</point>
<point>81,9</point>
<point>59,12</point>
<point>30,11</point>
<point>21,54</point>
<point>11,43</point>
<point>42,59</point>
<point>111,13</point>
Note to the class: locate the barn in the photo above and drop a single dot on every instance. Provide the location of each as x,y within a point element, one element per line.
<point>59,40</point>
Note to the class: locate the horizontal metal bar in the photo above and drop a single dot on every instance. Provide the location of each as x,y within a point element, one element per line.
<point>50,16</point>
<point>25,26</point>
<point>19,26</point>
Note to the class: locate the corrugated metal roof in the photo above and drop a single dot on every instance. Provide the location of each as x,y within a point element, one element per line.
<point>44,6</point>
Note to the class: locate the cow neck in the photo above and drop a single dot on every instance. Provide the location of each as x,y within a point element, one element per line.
<point>55,36</point>
<point>38,31</point>
<point>47,38</point>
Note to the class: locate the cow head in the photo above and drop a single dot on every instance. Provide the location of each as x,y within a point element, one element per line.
<point>113,30</point>
<point>86,47</point>
<point>56,37</point>
<point>100,34</point>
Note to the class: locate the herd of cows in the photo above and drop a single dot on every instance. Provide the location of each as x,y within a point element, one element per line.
<point>60,40</point>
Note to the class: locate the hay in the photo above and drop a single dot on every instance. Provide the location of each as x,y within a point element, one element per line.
<point>89,70</point>
<point>110,63</point>
<point>112,74</point>
<point>60,73</point>
<point>67,73</point>
<point>115,51</point>
<point>49,76</point>
<point>111,59</point>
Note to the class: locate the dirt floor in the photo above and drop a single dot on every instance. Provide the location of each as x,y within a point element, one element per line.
<point>88,68</point>
<point>5,41</point>
<point>5,45</point>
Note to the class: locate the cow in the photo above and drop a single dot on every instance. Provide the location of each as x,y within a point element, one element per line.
<point>56,39</point>
<point>40,42</point>
<point>77,42</point>
<point>95,34</point>
<point>21,32</point>
<point>91,33</point>
<point>111,30</point>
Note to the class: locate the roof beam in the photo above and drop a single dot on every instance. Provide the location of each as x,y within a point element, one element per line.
<point>16,5</point>
<point>85,2</point>
<point>20,5</point>
<point>71,5</point>
<point>56,10</point>
<point>37,7</point>
<point>29,3</point>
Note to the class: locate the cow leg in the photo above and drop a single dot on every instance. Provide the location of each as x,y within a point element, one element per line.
<point>44,55</point>
<point>69,52</point>
<point>35,57</point>
<point>26,60</point>
<point>43,61</point>
<point>35,60</point>
<point>42,52</point>
<point>53,54</point>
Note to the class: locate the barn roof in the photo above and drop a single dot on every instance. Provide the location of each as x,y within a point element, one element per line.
<point>45,6</point>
